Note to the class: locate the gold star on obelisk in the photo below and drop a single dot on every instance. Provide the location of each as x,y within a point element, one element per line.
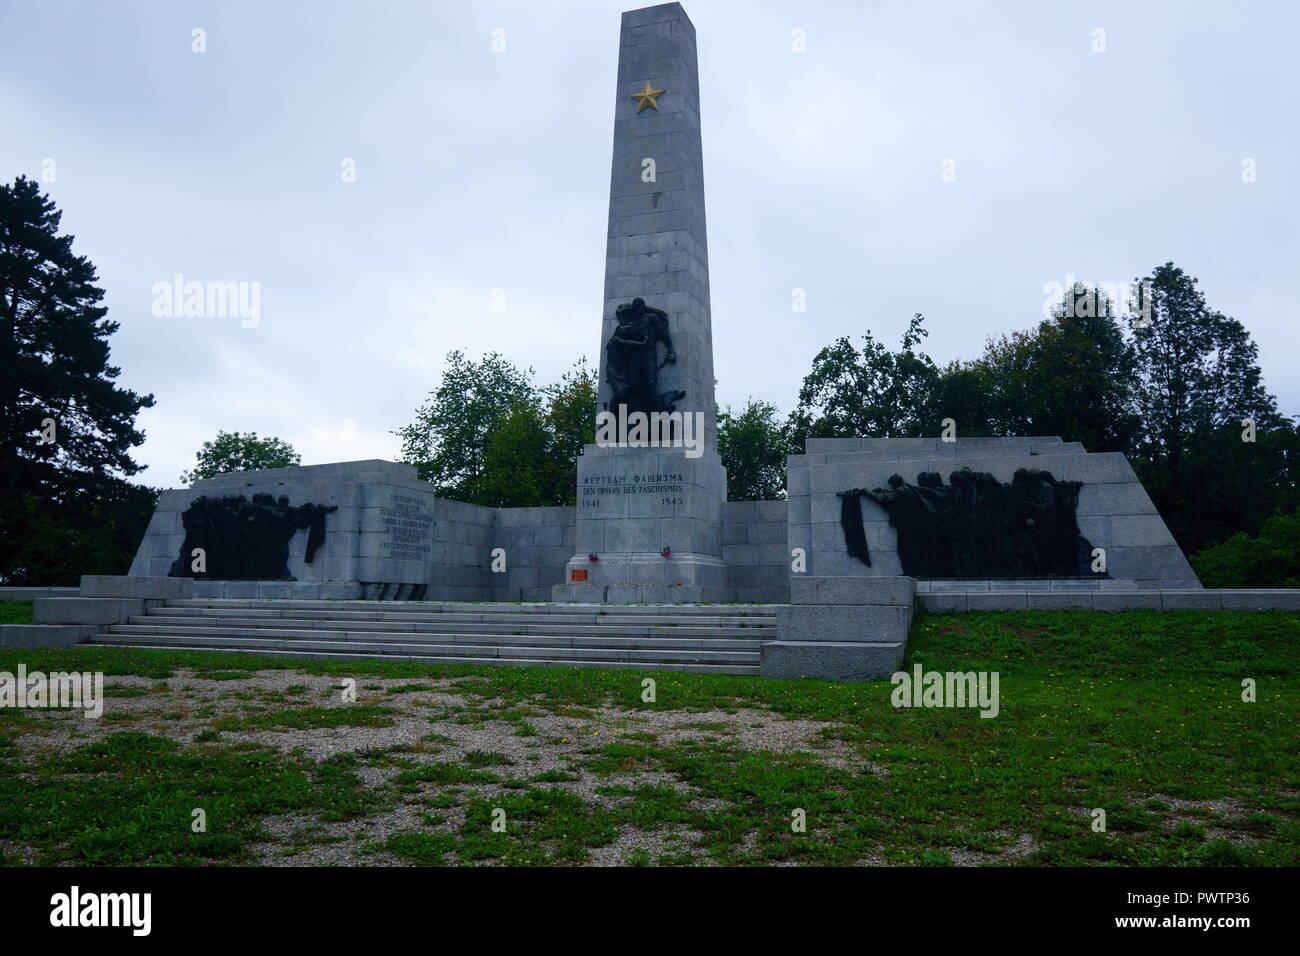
<point>646,98</point>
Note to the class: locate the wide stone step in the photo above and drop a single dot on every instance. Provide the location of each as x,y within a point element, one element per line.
<point>833,660</point>
<point>145,626</point>
<point>458,627</point>
<point>395,648</point>
<point>719,639</point>
<point>332,614</point>
<point>432,607</point>
<point>727,669</point>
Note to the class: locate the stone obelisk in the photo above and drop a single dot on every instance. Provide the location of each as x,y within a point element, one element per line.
<point>649,518</point>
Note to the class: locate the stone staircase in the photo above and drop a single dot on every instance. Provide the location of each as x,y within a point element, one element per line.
<point>716,639</point>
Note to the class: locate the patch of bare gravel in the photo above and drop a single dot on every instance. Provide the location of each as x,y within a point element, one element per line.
<point>185,704</point>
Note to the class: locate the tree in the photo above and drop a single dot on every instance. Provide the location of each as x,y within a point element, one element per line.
<point>1198,385</point>
<point>1082,380</point>
<point>514,459</point>
<point>1072,376</point>
<point>570,422</point>
<point>1271,560</point>
<point>753,446</point>
<point>240,451</point>
<point>446,441</point>
<point>96,531</point>
<point>973,395</point>
<point>876,392</point>
<point>66,429</point>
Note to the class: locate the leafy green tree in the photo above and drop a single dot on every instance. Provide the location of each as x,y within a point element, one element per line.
<point>1271,560</point>
<point>446,442</point>
<point>1083,383</point>
<point>240,451</point>
<point>570,421</point>
<point>487,436</point>
<point>514,459</point>
<point>66,428</point>
<point>753,445</point>
<point>1073,376</point>
<point>874,392</point>
<point>971,394</point>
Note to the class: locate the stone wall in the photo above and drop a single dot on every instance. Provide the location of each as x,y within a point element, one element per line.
<point>538,542</point>
<point>754,548</point>
<point>388,529</point>
<point>1169,599</point>
<point>32,594</point>
<point>1114,510</point>
<point>460,568</point>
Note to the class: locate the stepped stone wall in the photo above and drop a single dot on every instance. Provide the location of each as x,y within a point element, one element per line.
<point>1114,511</point>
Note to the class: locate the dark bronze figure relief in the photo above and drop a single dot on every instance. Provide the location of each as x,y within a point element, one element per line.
<point>977,526</point>
<point>632,360</point>
<point>855,536</point>
<point>246,540</point>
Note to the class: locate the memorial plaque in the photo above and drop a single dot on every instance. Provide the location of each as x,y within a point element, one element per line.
<point>407,528</point>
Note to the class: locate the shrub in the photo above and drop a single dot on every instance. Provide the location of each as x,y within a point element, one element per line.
<point>1271,560</point>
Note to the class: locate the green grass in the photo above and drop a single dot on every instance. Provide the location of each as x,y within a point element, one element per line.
<point>130,800</point>
<point>1139,714</point>
<point>15,612</point>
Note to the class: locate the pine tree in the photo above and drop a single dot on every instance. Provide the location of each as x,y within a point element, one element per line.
<point>66,429</point>
<point>1199,383</point>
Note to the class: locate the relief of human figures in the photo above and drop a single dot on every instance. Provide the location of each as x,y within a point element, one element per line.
<point>977,526</point>
<point>632,360</point>
<point>244,540</point>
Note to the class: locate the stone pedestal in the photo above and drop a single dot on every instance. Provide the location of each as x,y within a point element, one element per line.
<point>632,504</point>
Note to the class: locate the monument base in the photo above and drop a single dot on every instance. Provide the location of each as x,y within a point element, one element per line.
<point>646,579</point>
<point>649,528</point>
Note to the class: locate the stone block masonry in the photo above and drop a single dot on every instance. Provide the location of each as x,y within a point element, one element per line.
<point>1153,599</point>
<point>1114,512</point>
<point>754,549</point>
<point>841,628</point>
<point>636,503</point>
<point>657,246</point>
<point>389,529</point>
<point>391,536</point>
<point>538,543</point>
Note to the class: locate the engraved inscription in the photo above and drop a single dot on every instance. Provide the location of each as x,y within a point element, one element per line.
<point>670,485</point>
<point>408,528</point>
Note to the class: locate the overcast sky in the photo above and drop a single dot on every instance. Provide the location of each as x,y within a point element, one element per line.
<point>479,170</point>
